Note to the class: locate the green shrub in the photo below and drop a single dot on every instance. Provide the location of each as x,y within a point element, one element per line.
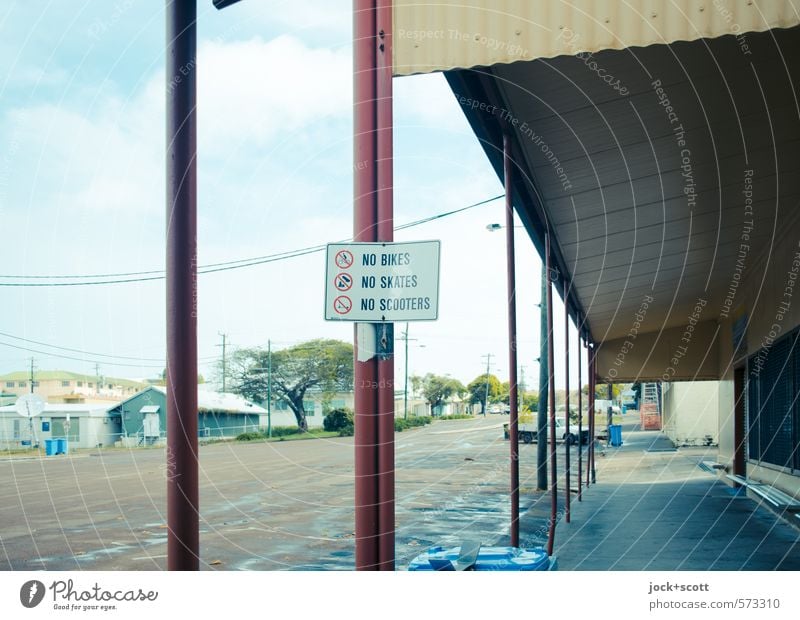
<point>338,420</point>
<point>251,436</point>
<point>347,431</point>
<point>282,431</point>
<point>457,416</point>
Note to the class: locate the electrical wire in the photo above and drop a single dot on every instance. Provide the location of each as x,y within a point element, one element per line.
<point>127,277</point>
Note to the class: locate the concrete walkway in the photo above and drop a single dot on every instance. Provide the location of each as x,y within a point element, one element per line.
<point>653,509</point>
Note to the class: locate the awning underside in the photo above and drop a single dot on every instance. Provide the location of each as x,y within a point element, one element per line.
<point>643,200</point>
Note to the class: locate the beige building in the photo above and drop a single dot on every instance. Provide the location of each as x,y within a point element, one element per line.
<point>62,386</point>
<point>690,414</point>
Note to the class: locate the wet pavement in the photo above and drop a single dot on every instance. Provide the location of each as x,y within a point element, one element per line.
<point>289,506</point>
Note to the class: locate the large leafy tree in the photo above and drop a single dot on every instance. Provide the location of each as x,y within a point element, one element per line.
<point>437,389</point>
<point>478,389</point>
<point>324,365</point>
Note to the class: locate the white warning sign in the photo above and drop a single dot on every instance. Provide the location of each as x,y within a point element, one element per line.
<point>382,282</point>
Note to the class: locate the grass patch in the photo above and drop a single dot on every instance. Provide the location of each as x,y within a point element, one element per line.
<point>286,433</point>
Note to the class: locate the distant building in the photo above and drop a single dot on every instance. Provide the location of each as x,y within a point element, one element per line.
<point>62,386</point>
<point>143,416</point>
<point>84,425</point>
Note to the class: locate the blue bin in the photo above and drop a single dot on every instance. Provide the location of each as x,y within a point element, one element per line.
<point>489,559</point>
<point>50,446</point>
<point>615,434</point>
<point>63,446</point>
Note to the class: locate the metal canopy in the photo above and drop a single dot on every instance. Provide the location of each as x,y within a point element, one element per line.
<point>641,213</point>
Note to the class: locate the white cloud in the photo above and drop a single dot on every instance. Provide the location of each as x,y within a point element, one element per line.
<point>251,91</point>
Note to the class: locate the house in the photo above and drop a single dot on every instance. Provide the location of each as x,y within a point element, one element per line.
<point>85,425</point>
<point>62,386</point>
<point>143,416</point>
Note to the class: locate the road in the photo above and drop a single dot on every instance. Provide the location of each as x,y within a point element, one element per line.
<point>264,506</point>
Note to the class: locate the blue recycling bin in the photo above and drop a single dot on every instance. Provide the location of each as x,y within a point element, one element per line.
<point>50,446</point>
<point>615,435</point>
<point>63,446</point>
<point>489,559</point>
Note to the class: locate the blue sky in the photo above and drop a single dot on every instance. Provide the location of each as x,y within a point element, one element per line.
<point>82,187</point>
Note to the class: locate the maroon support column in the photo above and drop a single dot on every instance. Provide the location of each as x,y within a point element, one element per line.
<point>183,538</point>
<point>373,343</point>
<point>580,416</point>
<point>568,490</point>
<point>552,400</point>
<point>590,413</point>
<point>385,438</point>
<point>512,346</point>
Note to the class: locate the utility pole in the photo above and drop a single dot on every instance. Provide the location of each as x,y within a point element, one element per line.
<point>31,375</point>
<point>488,357</point>
<point>269,389</point>
<point>405,389</point>
<point>224,367</point>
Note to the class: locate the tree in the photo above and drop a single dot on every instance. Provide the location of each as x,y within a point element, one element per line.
<point>437,389</point>
<point>325,365</point>
<point>477,389</point>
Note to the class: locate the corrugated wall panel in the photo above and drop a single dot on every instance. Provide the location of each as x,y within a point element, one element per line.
<point>435,36</point>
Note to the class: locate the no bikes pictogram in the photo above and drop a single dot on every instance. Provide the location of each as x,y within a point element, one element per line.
<point>342,304</point>
<point>343,259</point>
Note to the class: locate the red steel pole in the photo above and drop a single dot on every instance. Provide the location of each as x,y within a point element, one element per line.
<point>512,345</point>
<point>385,364</point>
<point>183,521</point>
<point>552,398</point>
<point>568,490</point>
<point>590,413</point>
<point>580,416</point>
<point>365,219</point>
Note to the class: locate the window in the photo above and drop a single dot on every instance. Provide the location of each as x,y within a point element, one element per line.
<point>80,383</point>
<point>9,384</point>
<point>281,405</point>
<point>65,384</point>
<point>90,384</point>
<point>35,384</point>
<point>308,407</point>
<point>24,384</point>
<point>773,413</point>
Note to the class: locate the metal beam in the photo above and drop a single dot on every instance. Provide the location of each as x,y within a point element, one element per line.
<point>551,385</point>
<point>580,419</point>
<point>567,485</point>
<point>512,343</point>
<point>373,343</point>
<point>183,522</point>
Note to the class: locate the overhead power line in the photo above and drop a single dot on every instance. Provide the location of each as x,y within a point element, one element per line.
<point>146,276</point>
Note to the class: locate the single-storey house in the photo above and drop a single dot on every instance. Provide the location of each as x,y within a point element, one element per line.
<point>143,416</point>
<point>84,425</point>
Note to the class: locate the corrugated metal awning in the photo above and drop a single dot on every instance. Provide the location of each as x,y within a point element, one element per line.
<point>149,409</point>
<point>458,34</point>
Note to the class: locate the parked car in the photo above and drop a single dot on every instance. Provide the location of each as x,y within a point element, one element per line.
<point>528,433</point>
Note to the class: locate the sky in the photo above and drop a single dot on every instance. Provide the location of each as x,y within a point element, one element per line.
<point>82,142</point>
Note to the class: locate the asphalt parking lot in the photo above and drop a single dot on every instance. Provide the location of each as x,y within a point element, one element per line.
<point>264,506</point>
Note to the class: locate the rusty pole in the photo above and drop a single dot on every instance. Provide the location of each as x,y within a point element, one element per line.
<point>384,167</point>
<point>552,398</point>
<point>183,522</point>
<point>592,420</point>
<point>513,433</point>
<point>373,343</point>
<point>568,490</point>
<point>580,416</point>
<point>365,216</point>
